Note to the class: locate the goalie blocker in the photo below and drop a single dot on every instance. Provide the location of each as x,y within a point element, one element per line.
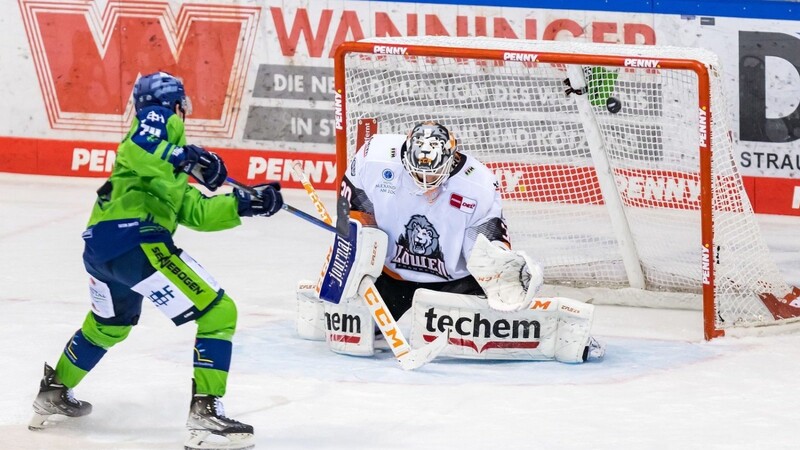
<point>350,260</point>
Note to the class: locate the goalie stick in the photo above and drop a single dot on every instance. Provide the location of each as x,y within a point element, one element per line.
<point>408,358</point>
<point>312,193</point>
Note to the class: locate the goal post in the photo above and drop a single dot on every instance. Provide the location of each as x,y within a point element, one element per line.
<point>615,162</point>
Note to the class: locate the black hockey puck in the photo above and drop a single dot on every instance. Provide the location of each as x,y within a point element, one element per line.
<point>613,105</point>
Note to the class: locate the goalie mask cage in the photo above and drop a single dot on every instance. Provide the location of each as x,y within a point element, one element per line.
<point>615,162</point>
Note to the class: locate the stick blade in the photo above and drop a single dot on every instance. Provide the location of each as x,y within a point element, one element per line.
<point>420,356</point>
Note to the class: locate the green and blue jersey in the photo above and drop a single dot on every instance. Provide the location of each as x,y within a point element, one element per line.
<point>147,195</point>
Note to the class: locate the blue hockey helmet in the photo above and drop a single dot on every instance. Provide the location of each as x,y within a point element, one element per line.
<point>163,89</point>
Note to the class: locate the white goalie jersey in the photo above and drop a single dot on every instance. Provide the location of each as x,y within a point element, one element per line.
<point>436,230</point>
<point>430,234</point>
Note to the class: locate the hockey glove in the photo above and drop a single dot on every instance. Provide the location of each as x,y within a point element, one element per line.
<point>206,167</point>
<point>268,201</point>
<point>509,278</point>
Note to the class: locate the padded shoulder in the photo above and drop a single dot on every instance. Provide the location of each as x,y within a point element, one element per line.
<point>383,148</point>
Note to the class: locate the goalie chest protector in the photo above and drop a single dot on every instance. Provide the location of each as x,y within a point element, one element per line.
<point>430,234</point>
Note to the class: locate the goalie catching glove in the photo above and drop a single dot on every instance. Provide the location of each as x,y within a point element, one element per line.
<point>509,278</point>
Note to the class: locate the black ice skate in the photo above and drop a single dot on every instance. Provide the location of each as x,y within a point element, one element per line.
<point>210,429</point>
<point>55,398</point>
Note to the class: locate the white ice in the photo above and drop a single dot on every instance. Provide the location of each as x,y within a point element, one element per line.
<point>660,385</point>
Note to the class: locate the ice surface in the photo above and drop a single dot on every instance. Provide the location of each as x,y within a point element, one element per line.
<point>660,385</point>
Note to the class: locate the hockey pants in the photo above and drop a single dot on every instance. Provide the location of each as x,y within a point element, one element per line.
<point>170,279</point>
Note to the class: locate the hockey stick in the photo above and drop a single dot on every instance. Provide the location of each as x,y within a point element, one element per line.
<point>408,358</point>
<point>312,193</point>
<point>301,214</point>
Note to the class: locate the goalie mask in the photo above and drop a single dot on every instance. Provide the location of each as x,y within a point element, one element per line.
<point>429,154</point>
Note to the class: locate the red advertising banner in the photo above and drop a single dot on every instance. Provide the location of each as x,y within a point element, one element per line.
<point>95,159</point>
<point>530,183</point>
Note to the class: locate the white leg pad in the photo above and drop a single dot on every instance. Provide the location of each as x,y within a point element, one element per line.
<point>574,327</point>
<point>310,320</point>
<point>349,328</point>
<point>546,310</point>
<point>561,331</point>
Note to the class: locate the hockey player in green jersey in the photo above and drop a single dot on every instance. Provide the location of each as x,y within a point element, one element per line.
<point>130,255</point>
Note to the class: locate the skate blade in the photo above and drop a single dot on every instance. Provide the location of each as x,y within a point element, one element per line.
<point>41,421</point>
<point>205,440</point>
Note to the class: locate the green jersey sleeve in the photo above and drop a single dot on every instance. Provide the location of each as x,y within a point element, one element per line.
<point>202,213</point>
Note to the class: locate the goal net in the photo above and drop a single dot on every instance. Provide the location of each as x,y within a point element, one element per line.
<point>615,162</point>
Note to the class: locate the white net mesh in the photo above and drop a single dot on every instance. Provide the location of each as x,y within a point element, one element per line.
<point>517,119</point>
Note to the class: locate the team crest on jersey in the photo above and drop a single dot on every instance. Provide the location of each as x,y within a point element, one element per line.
<point>418,248</point>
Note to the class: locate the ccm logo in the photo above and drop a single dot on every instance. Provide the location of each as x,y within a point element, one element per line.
<point>384,319</point>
